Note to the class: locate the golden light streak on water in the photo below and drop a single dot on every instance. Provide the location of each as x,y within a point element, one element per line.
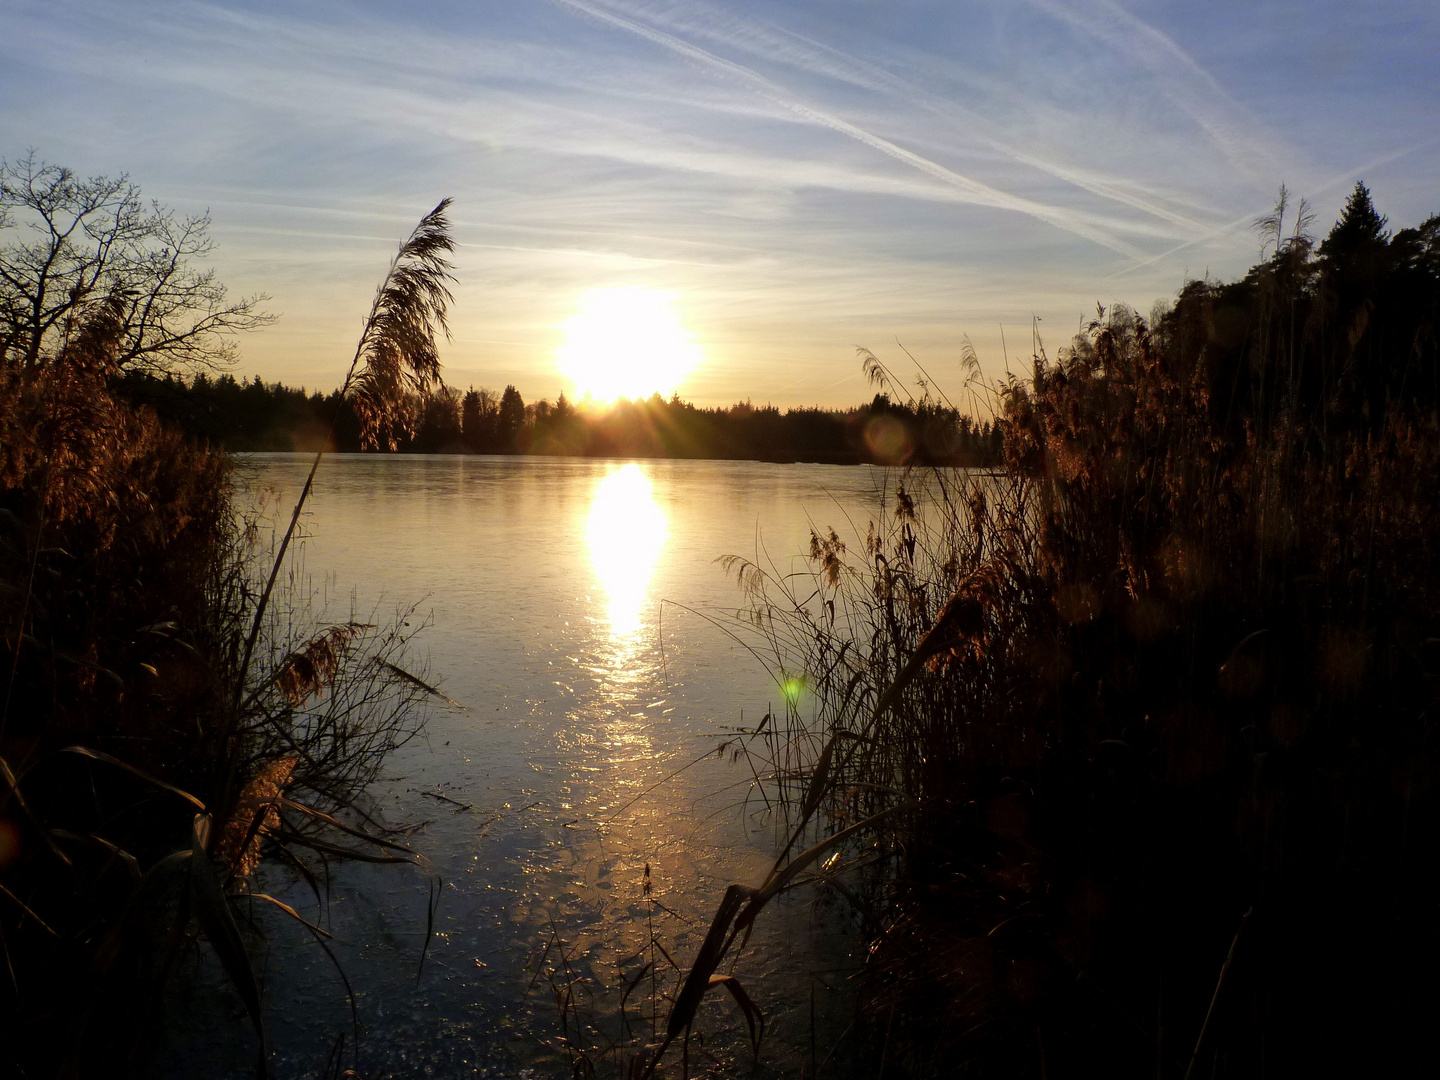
<point>626,533</point>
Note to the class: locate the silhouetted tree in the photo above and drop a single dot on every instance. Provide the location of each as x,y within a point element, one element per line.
<point>470,417</point>
<point>1359,230</point>
<point>479,412</point>
<point>440,423</point>
<point>82,253</point>
<point>509,420</point>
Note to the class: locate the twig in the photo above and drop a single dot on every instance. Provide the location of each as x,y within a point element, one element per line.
<point>1215,998</point>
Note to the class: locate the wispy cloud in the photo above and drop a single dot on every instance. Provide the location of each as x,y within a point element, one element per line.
<point>1258,153</point>
<point>975,191</point>
<point>808,175</point>
<point>870,74</point>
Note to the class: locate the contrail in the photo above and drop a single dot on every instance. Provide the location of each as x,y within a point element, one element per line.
<point>1192,88</point>
<point>977,192</point>
<point>819,58</point>
<point>1326,185</point>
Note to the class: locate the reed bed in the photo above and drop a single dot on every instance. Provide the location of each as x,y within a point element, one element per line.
<point>1124,753</point>
<point>166,725</point>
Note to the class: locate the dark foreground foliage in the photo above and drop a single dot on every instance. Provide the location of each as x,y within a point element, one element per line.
<point>1152,709</point>
<point>143,770</point>
<point>254,415</point>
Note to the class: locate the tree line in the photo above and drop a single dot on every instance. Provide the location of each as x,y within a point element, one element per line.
<point>252,415</point>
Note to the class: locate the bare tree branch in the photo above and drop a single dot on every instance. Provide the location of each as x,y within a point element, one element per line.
<point>68,244</point>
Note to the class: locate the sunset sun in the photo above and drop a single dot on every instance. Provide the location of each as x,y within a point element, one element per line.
<point>626,342</point>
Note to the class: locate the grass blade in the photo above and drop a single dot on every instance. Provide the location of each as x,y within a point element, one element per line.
<point>212,908</point>
<point>100,755</point>
<point>419,683</point>
<point>712,951</point>
<point>748,1007</point>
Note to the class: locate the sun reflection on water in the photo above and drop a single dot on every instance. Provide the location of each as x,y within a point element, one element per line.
<point>626,533</point>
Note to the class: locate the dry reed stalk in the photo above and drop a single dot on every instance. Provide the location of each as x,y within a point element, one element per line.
<point>1197,666</point>
<point>397,349</point>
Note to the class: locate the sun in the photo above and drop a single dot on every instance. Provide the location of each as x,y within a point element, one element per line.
<point>626,342</point>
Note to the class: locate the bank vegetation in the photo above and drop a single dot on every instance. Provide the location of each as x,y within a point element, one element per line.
<point>1131,743</point>
<point>173,712</point>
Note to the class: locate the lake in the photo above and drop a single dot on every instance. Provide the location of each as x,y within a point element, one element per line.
<point>576,611</point>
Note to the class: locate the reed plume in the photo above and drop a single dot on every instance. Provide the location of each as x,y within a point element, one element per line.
<point>396,352</point>
<point>256,813</point>
<point>307,671</point>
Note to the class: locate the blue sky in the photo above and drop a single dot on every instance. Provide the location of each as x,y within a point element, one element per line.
<point>805,177</point>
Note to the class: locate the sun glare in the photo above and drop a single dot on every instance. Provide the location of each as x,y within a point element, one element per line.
<point>626,534</point>
<point>626,342</point>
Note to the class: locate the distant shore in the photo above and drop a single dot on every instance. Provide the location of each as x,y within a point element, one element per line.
<point>258,417</point>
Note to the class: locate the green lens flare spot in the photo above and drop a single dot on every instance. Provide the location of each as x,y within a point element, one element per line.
<point>792,688</point>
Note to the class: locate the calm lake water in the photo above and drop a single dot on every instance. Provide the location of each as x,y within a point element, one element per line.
<point>570,606</point>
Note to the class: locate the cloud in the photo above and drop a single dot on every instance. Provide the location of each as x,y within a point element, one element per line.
<point>872,73</point>
<point>975,191</point>
<point>808,175</point>
<point>1258,153</point>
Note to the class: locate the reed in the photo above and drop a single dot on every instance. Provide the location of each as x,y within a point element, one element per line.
<point>395,359</point>
<point>1070,724</point>
<point>172,714</point>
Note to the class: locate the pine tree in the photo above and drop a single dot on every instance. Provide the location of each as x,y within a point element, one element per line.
<point>470,419</point>
<point>511,419</point>
<point>1360,230</point>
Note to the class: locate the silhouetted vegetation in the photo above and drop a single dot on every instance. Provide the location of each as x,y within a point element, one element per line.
<point>254,415</point>
<point>1138,734</point>
<point>1122,754</point>
<point>146,762</point>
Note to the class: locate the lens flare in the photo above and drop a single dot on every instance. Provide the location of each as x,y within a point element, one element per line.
<point>793,687</point>
<point>888,440</point>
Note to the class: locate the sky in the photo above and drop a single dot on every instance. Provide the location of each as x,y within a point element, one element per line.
<point>793,179</point>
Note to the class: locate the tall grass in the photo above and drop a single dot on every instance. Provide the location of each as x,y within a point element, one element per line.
<point>1134,735</point>
<point>395,360</point>
<point>166,722</point>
